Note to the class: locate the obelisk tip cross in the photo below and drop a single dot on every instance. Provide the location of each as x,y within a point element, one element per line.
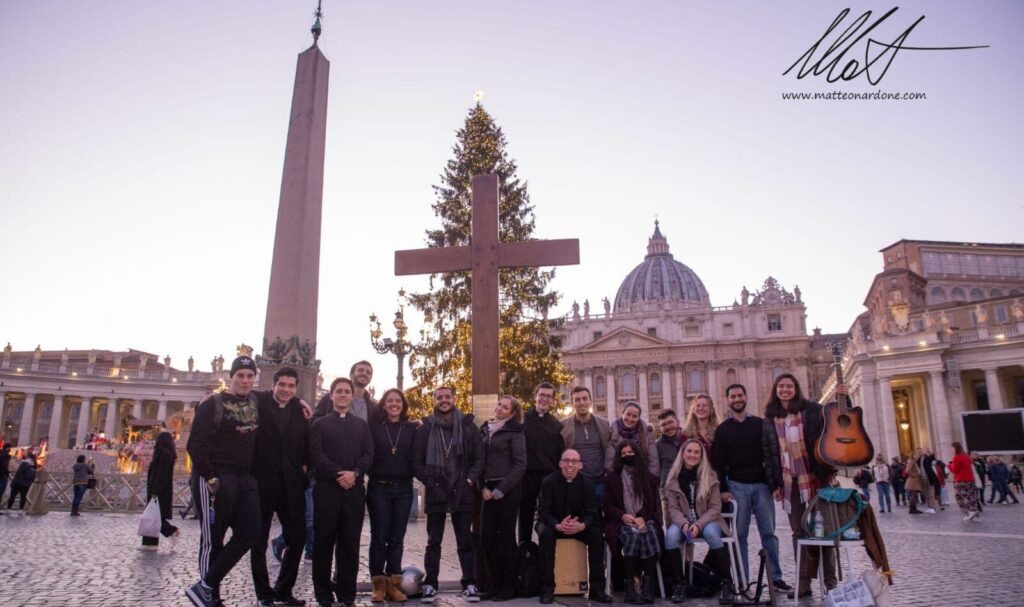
<point>483,258</point>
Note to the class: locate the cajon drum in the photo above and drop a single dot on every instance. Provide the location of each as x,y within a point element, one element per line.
<point>571,571</point>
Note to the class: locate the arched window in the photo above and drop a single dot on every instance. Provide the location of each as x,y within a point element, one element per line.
<point>628,384</point>
<point>730,377</point>
<point>655,384</point>
<point>696,381</point>
<point>600,389</point>
<point>957,294</point>
<point>995,293</point>
<point>977,294</point>
<point>937,296</point>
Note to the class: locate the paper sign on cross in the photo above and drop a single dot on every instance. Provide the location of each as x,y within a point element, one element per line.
<point>483,258</point>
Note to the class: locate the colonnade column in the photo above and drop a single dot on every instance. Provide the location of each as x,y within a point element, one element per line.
<point>137,409</point>
<point>995,394</point>
<point>55,421</point>
<point>25,429</point>
<point>84,416</point>
<point>891,439</point>
<point>161,412</point>
<point>110,427</point>
<point>940,409</point>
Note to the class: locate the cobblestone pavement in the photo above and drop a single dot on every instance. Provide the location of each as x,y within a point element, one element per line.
<point>92,560</point>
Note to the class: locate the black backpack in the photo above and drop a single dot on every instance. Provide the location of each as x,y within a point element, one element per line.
<point>527,571</point>
<point>705,582</point>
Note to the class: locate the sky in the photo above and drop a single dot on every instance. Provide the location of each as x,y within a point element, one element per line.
<point>141,147</point>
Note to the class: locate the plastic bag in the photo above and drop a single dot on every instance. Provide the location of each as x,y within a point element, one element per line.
<point>149,522</point>
<point>854,594</point>
<point>878,587</point>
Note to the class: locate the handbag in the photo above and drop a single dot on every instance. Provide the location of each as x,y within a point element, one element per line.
<point>149,522</point>
<point>91,483</point>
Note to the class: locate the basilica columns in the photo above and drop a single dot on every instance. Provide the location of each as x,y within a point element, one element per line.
<point>995,394</point>
<point>940,409</point>
<point>27,417</point>
<point>891,438</point>
<point>611,401</point>
<point>55,421</point>
<point>84,415</point>
<point>110,427</point>
<point>161,412</point>
<point>641,380</point>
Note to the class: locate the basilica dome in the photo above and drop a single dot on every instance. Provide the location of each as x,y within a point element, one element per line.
<point>660,278</point>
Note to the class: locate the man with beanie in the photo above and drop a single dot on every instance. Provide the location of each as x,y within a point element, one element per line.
<point>221,445</point>
<point>544,446</point>
<point>448,457</point>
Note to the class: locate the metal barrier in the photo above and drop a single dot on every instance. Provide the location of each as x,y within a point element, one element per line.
<point>113,492</point>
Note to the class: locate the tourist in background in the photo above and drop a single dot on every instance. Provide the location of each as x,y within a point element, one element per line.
<point>941,492</point>
<point>5,469</point>
<point>863,480</point>
<point>80,473</point>
<point>505,464</point>
<point>917,483</point>
<point>899,481</point>
<point>544,445</point>
<point>933,489</point>
<point>1016,478</point>
<point>630,427</point>
<point>792,426</point>
<point>632,519</point>
<point>695,509</point>
<point>980,474</point>
<point>883,482</point>
<point>963,483</point>
<point>160,484</point>
<point>1000,475</point>
<point>389,494</point>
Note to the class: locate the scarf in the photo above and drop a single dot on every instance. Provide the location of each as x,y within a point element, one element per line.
<point>633,434</point>
<point>795,461</point>
<point>436,444</point>
<point>632,500</point>
<point>688,483</point>
<point>492,428</point>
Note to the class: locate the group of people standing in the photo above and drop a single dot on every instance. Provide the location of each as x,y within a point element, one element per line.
<point>584,478</point>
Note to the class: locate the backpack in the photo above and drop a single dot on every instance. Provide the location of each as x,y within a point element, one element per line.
<point>527,570</point>
<point>705,582</point>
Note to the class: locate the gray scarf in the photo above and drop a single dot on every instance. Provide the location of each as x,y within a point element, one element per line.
<point>633,501</point>
<point>436,443</point>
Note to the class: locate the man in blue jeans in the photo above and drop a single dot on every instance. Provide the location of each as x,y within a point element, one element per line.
<point>739,461</point>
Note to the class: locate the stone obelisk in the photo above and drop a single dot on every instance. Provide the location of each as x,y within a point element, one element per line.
<point>289,337</point>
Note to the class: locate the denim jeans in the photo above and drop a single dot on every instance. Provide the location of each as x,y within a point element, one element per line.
<point>76,502</point>
<point>755,499</point>
<point>884,500</point>
<point>711,533</point>
<point>389,504</point>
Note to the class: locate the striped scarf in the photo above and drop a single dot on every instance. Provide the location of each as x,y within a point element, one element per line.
<point>795,461</point>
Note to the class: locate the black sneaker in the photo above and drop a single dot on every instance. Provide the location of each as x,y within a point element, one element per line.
<point>200,594</point>
<point>546,598</point>
<point>290,600</point>
<point>781,585</point>
<point>265,602</point>
<point>599,596</point>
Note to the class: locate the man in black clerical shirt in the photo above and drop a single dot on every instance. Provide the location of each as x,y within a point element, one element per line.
<point>568,509</point>
<point>341,452</point>
<point>544,446</point>
<point>279,465</point>
<point>739,461</point>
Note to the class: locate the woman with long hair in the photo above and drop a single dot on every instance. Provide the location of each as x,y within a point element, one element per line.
<point>632,428</point>
<point>701,422</point>
<point>504,467</point>
<point>963,483</point>
<point>389,493</point>
<point>160,484</point>
<point>791,428</point>
<point>695,509</point>
<point>917,483</point>
<point>632,519</point>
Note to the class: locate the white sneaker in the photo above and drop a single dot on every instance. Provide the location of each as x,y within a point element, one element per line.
<point>470,594</point>
<point>149,548</point>
<point>930,511</point>
<point>429,594</point>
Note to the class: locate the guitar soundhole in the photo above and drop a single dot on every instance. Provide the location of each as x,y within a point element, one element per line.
<point>844,421</point>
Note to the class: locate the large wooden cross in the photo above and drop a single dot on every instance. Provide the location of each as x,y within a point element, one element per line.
<point>483,258</point>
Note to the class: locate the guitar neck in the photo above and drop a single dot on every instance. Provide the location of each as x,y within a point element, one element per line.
<point>841,399</point>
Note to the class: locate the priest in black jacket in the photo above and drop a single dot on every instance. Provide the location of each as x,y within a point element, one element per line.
<point>544,445</point>
<point>568,509</point>
<point>280,463</point>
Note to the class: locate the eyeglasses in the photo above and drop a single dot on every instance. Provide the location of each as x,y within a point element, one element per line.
<point>572,462</point>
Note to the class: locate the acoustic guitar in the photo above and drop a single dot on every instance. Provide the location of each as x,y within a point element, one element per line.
<point>843,442</point>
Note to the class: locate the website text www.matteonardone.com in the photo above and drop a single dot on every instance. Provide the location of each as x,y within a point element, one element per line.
<point>844,96</point>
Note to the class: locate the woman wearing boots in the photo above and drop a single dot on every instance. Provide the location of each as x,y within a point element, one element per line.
<point>160,484</point>
<point>505,447</point>
<point>389,493</point>
<point>695,509</point>
<point>632,515</point>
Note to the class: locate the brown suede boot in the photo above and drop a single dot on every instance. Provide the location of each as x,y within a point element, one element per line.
<point>379,587</point>
<point>393,589</point>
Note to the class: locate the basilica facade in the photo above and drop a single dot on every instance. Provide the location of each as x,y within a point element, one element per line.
<point>662,342</point>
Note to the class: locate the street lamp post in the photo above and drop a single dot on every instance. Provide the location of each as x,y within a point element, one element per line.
<point>399,346</point>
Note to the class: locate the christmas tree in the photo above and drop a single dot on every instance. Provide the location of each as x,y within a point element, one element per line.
<point>527,355</point>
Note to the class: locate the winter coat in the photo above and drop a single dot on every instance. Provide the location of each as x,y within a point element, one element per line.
<point>505,456</point>
<point>614,506</point>
<point>25,474</point>
<point>544,442</point>
<point>569,430</point>
<point>962,468</point>
<point>709,509</point>
<point>914,480</point>
<point>460,492</point>
<point>813,424</point>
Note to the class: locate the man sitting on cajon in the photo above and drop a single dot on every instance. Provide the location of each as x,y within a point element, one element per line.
<point>568,509</point>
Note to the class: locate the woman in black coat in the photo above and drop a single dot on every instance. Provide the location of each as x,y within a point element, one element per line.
<point>632,519</point>
<point>504,467</point>
<point>159,484</point>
